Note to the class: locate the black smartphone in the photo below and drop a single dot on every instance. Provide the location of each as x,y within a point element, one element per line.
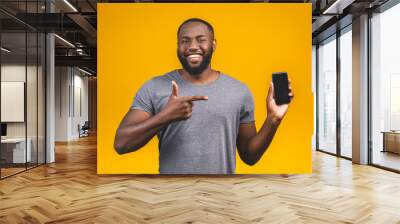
<point>281,87</point>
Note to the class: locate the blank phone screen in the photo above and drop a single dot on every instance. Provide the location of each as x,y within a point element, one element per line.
<point>281,87</point>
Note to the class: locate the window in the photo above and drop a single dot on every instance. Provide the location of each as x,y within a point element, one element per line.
<point>327,95</point>
<point>346,93</point>
<point>385,88</point>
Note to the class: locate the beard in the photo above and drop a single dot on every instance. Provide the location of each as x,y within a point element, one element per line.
<point>195,71</point>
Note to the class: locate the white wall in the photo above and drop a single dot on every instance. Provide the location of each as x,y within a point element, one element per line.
<point>62,80</point>
<point>71,94</point>
<point>16,73</point>
<point>81,102</point>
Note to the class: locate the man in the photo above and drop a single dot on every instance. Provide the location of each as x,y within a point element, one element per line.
<point>200,115</point>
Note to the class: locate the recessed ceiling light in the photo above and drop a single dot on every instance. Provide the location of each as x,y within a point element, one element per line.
<point>5,50</point>
<point>64,40</point>
<point>71,6</point>
<point>84,71</point>
<point>337,7</point>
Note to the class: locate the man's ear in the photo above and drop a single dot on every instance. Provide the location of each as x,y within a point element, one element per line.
<point>214,44</point>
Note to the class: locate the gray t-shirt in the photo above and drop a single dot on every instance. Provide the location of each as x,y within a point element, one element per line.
<point>206,142</point>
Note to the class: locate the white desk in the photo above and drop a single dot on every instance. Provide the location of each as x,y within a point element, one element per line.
<point>18,149</point>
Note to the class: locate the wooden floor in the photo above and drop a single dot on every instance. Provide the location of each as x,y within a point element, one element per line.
<point>70,191</point>
<point>5,172</point>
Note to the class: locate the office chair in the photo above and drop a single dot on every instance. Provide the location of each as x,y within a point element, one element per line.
<point>84,130</point>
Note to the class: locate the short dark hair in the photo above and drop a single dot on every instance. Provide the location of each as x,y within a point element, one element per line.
<point>193,20</point>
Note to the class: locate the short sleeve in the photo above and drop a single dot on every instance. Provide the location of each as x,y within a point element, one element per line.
<point>143,98</point>
<point>247,108</point>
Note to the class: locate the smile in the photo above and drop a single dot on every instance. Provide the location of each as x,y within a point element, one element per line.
<point>194,58</point>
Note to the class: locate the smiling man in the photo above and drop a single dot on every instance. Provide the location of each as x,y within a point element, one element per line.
<point>199,114</point>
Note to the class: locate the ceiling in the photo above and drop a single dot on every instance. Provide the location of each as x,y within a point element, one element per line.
<point>72,20</point>
<point>76,22</point>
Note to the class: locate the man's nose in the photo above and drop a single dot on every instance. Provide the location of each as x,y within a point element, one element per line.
<point>193,45</point>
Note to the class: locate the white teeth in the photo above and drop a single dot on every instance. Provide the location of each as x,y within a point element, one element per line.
<point>194,56</point>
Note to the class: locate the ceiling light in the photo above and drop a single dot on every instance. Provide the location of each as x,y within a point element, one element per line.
<point>84,71</point>
<point>337,7</point>
<point>71,6</point>
<point>5,50</point>
<point>65,41</point>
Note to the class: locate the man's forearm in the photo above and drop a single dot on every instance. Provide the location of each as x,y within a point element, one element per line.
<point>259,143</point>
<point>129,138</point>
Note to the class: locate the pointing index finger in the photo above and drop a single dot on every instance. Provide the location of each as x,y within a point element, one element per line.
<point>194,98</point>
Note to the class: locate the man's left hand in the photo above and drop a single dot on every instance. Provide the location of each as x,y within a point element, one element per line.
<point>275,113</point>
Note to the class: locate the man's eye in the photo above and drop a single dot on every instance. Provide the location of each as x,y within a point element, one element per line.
<point>184,41</point>
<point>202,40</point>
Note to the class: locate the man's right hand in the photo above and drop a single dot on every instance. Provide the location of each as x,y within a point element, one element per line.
<point>138,126</point>
<point>179,108</point>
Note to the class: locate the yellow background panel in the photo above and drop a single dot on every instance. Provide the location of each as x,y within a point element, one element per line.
<point>138,41</point>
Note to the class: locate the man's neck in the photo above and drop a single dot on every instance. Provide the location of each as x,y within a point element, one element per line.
<point>206,77</point>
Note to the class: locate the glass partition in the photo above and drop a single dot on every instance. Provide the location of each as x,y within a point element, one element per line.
<point>14,153</point>
<point>41,109</point>
<point>22,88</point>
<point>31,100</point>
